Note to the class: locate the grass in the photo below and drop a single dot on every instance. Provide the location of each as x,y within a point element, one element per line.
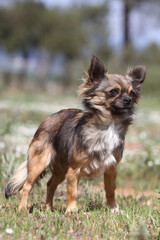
<point>137,219</point>
<point>138,179</point>
<point>149,101</point>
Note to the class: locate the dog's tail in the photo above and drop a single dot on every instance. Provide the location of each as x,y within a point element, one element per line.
<point>16,182</point>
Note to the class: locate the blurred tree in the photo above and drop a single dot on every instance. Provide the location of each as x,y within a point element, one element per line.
<point>94,21</point>
<point>127,10</point>
<point>21,26</point>
<point>63,33</point>
<point>30,24</point>
<point>74,32</point>
<point>150,7</point>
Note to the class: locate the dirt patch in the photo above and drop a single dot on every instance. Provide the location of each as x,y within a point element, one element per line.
<point>134,146</point>
<point>129,191</point>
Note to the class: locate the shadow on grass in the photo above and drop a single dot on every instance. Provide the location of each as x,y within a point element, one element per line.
<point>41,208</point>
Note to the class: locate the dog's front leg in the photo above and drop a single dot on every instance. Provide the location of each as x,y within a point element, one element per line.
<point>72,181</point>
<point>110,185</point>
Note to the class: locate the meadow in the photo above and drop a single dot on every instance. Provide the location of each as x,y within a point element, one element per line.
<point>137,184</point>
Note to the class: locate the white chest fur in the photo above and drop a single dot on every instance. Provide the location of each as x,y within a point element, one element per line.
<point>102,140</point>
<point>100,144</point>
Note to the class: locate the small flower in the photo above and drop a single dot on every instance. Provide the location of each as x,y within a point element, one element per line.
<point>9,231</point>
<point>157,161</point>
<point>2,145</point>
<point>150,164</point>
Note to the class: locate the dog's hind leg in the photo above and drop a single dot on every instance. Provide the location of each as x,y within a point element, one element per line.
<point>52,184</point>
<point>37,163</point>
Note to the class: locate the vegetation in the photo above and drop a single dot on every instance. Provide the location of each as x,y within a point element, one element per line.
<point>29,24</point>
<point>137,219</point>
<point>137,186</point>
<point>74,33</point>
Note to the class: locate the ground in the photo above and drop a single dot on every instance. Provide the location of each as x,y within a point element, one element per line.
<point>137,183</point>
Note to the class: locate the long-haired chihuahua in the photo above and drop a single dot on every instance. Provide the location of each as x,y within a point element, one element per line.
<point>74,143</point>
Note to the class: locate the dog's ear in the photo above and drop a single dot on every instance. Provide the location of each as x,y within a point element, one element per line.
<point>96,70</point>
<point>137,76</point>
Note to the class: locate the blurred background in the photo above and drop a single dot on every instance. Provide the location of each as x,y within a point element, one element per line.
<point>45,48</point>
<point>47,45</point>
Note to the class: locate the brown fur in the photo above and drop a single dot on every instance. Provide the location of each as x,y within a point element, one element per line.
<point>76,143</point>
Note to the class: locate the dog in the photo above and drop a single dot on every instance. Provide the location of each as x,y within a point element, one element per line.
<point>74,143</point>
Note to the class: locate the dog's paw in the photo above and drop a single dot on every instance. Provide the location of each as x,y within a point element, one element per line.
<point>48,207</point>
<point>116,209</point>
<point>71,209</point>
<point>22,208</point>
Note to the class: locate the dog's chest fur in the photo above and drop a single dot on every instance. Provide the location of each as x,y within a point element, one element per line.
<point>100,143</point>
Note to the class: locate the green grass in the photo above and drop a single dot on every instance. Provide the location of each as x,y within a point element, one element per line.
<point>149,101</point>
<point>137,219</point>
<point>139,216</point>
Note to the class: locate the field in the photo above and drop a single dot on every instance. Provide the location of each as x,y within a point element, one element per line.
<point>137,184</point>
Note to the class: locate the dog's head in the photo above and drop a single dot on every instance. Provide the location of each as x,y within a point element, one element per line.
<point>111,95</point>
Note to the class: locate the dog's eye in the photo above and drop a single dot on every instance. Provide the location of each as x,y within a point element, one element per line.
<point>133,94</point>
<point>114,92</point>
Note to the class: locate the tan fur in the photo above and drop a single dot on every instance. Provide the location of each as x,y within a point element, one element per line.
<point>72,181</point>
<point>52,184</point>
<point>110,185</point>
<point>77,143</point>
<point>36,165</point>
<point>17,181</point>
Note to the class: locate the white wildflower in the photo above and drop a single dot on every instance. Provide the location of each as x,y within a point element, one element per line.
<point>2,145</point>
<point>9,231</point>
<point>150,164</point>
<point>157,161</point>
<point>143,135</point>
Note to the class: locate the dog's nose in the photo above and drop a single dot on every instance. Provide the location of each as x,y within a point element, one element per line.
<point>127,101</point>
